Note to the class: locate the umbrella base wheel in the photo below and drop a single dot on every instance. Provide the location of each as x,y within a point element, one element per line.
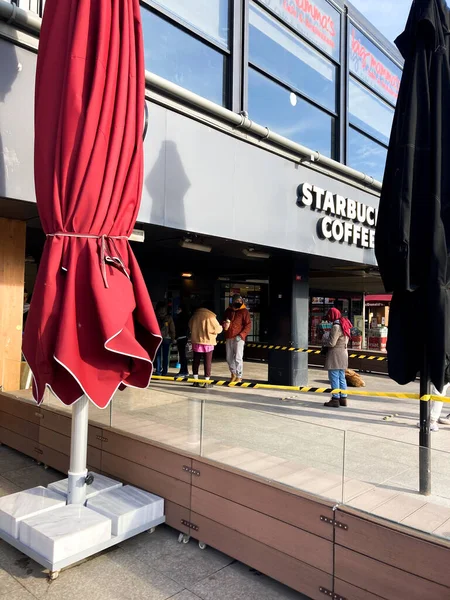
<point>202,545</point>
<point>53,575</point>
<point>184,538</point>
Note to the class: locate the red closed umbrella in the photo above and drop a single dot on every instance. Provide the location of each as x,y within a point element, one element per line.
<point>91,326</point>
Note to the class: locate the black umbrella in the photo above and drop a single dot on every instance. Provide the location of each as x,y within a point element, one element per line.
<point>413,230</point>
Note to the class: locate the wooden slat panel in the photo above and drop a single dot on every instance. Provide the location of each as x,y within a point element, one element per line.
<point>265,498</point>
<point>62,423</point>
<point>396,548</point>
<point>163,485</point>
<point>350,592</point>
<point>386,581</point>
<point>143,453</point>
<point>20,426</point>
<point>94,459</point>
<point>20,443</point>
<point>12,264</point>
<point>284,568</point>
<point>56,421</point>
<point>57,441</point>
<point>56,460</point>
<point>94,436</point>
<point>29,411</point>
<point>299,544</point>
<point>175,514</point>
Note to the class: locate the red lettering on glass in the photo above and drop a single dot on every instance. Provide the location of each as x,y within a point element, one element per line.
<point>374,68</point>
<point>303,8</point>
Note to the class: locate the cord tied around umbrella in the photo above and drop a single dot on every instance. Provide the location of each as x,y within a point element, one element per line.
<point>106,242</point>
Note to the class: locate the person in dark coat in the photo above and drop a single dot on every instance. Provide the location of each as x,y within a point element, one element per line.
<point>413,229</point>
<point>182,328</point>
<point>167,327</point>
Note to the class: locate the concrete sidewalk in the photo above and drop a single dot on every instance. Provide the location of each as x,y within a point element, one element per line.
<point>148,567</point>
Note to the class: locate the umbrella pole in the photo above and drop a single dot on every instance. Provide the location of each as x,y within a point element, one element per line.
<point>78,452</point>
<point>424,435</point>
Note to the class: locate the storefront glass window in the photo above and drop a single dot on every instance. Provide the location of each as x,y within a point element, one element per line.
<point>177,56</point>
<point>366,155</point>
<point>373,66</point>
<point>273,48</point>
<point>316,20</point>
<point>208,16</point>
<point>369,113</point>
<point>285,113</point>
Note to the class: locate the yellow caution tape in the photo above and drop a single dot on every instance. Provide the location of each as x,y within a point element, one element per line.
<point>376,357</point>
<point>302,389</point>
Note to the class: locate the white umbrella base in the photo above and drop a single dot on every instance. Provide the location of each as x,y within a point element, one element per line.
<point>100,485</point>
<point>63,536</point>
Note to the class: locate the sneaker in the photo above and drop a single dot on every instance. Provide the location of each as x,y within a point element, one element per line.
<point>444,420</point>
<point>433,425</point>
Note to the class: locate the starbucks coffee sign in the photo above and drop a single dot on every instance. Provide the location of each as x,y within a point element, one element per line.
<point>345,220</point>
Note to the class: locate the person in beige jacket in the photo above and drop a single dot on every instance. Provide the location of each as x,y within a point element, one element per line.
<point>336,362</point>
<point>204,328</point>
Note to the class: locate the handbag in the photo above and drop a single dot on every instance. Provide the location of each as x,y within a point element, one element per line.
<point>324,350</point>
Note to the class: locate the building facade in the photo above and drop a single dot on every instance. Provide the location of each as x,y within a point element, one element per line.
<point>266,135</point>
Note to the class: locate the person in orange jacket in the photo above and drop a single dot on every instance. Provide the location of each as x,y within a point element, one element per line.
<point>237,324</point>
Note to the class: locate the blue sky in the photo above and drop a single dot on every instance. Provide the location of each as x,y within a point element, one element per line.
<point>388,16</point>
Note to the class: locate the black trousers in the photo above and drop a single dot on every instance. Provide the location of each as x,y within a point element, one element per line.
<point>182,355</point>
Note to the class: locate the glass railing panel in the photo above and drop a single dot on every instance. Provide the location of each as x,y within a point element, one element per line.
<point>302,455</point>
<point>381,478</point>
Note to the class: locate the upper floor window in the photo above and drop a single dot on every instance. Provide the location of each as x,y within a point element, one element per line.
<point>368,112</point>
<point>273,106</point>
<point>183,58</point>
<point>372,66</point>
<point>210,17</point>
<point>316,20</point>
<point>366,155</point>
<point>276,50</point>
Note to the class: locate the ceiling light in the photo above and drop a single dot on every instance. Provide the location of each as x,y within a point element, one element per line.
<point>252,253</point>
<point>257,281</point>
<point>187,275</point>
<point>187,243</point>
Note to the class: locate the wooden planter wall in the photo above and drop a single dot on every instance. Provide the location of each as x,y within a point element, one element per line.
<point>295,538</point>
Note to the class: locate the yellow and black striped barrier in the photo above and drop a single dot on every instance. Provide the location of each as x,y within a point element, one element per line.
<point>301,389</point>
<point>375,358</point>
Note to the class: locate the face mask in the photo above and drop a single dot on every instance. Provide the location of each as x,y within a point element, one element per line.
<point>237,304</point>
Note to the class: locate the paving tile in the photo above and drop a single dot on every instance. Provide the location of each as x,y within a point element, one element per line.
<point>20,594</point>
<point>7,487</point>
<point>185,595</point>
<point>184,563</point>
<point>33,476</point>
<point>372,498</point>
<point>241,460</point>
<point>238,582</point>
<point>8,585</point>
<point>302,477</point>
<point>10,460</point>
<point>399,508</point>
<point>259,465</point>
<point>355,487</point>
<point>277,471</point>
<point>225,455</point>
<point>428,518</point>
<point>109,576</point>
<point>443,530</point>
